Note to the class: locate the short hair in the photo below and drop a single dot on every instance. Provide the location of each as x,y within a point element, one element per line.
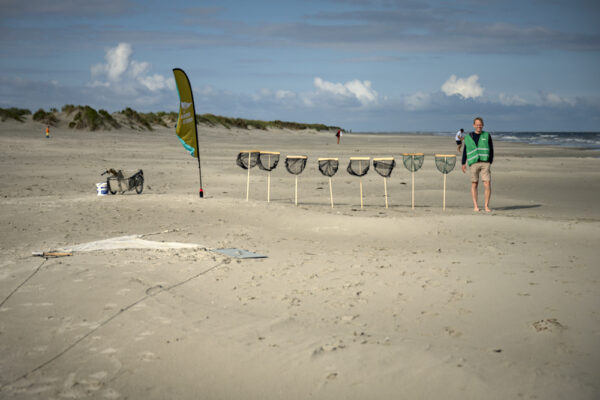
<point>478,118</point>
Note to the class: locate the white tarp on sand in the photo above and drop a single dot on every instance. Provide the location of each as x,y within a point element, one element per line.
<point>129,242</point>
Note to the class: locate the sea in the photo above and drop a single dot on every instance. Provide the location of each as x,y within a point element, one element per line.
<point>585,140</point>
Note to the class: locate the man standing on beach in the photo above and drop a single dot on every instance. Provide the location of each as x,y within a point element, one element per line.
<point>460,136</point>
<point>47,131</point>
<point>338,135</point>
<point>479,155</point>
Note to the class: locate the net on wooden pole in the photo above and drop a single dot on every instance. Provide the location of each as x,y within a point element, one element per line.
<point>359,166</point>
<point>295,165</point>
<point>413,162</point>
<point>247,159</point>
<point>384,167</point>
<point>445,164</point>
<point>267,161</point>
<point>328,167</point>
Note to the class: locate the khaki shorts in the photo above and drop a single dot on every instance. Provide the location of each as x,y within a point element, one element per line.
<point>481,169</point>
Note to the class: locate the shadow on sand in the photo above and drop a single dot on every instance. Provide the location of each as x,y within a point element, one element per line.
<point>508,208</point>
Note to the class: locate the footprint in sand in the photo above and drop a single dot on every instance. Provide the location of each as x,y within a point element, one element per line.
<point>148,356</point>
<point>549,324</point>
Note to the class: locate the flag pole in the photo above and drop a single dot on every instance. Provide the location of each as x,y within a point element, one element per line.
<point>200,190</point>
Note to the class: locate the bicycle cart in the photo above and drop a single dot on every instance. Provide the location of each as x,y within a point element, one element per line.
<point>117,182</point>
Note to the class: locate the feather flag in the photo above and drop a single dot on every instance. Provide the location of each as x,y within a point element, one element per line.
<point>186,122</point>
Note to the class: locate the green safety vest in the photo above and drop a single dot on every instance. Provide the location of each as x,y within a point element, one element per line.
<point>480,151</point>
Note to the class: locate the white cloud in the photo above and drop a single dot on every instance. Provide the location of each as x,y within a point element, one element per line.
<point>555,100</point>
<point>467,87</point>
<point>417,101</point>
<point>361,91</point>
<point>511,100</point>
<point>126,76</point>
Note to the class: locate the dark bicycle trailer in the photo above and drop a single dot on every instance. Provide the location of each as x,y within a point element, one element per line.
<point>117,182</point>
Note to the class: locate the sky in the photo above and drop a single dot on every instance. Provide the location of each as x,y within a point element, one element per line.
<point>364,65</point>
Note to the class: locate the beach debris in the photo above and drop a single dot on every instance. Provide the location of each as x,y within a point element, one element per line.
<point>329,167</point>
<point>267,161</point>
<point>51,254</point>
<point>384,167</point>
<point>238,253</point>
<point>247,159</point>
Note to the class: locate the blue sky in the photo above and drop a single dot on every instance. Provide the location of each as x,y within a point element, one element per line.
<point>365,65</point>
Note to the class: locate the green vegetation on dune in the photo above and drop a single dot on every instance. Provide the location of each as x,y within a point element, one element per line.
<point>85,117</point>
<point>44,117</point>
<point>228,122</point>
<point>15,113</point>
<point>88,118</point>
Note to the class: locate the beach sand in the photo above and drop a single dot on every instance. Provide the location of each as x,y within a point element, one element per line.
<point>351,303</point>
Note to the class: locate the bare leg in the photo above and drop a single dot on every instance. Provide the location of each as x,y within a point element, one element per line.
<point>488,194</point>
<point>474,195</point>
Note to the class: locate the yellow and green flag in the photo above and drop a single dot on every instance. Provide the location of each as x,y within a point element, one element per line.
<point>186,122</point>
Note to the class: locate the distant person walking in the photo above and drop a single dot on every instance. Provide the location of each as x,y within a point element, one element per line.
<point>479,155</point>
<point>47,131</point>
<point>338,135</point>
<point>460,136</point>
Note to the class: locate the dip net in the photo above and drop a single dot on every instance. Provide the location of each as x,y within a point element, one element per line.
<point>328,167</point>
<point>267,161</point>
<point>445,164</point>
<point>359,166</point>
<point>247,159</point>
<point>384,167</point>
<point>413,162</point>
<point>295,165</point>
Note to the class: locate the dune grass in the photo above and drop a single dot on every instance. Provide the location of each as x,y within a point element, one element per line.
<point>18,114</point>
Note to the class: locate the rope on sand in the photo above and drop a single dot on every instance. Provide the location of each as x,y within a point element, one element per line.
<point>150,292</point>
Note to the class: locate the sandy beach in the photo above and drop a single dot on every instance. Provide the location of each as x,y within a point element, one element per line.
<point>350,303</point>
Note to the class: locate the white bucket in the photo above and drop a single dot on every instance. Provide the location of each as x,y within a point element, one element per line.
<point>102,189</point>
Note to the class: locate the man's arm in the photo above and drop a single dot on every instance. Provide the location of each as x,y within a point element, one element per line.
<point>491,149</point>
<point>464,158</point>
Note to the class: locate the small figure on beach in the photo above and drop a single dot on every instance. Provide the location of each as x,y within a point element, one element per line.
<point>338,135</point>
<point>47,131</point>
<point>460,136</point>
<point>478,153</point>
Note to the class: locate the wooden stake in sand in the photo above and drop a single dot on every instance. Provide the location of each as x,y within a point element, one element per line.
<point>384,167</point>
<point>445,164</point>
<point>413,162</point>
<point>328,167</point>
<point>267,161</point>
<point>247,159</point>
<point>359,166</point>
<point>295,165</point>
